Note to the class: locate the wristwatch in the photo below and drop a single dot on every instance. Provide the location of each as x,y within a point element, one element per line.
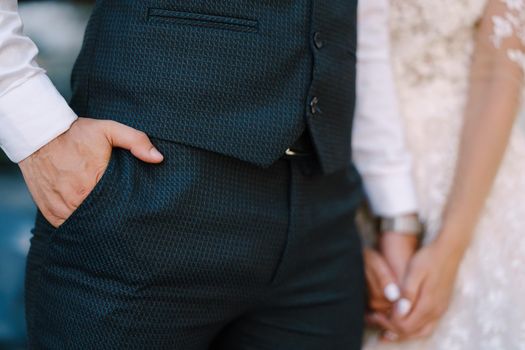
<point>403,224</point>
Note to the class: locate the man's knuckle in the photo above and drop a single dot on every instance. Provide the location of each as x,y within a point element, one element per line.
<point>142,136</point>
<point>108,123</point>
<point>53,210</point>
<point>107,126</point>
<point>81,191</point>
<point>53,219</point>
<point>56,223</point>
<point>63,213</point>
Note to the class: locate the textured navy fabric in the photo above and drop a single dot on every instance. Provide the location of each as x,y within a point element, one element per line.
<point>224,245</point>
<point>236,77</point>
<point>333,81</point>
<point>201,252</point>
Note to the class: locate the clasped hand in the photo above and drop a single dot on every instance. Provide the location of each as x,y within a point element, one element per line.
<point>409,290</point>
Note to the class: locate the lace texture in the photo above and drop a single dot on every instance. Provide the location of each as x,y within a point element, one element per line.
<point>433,47</point>
<point>511,23</point>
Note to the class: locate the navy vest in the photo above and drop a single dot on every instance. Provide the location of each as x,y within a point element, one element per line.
<point>243,78</point>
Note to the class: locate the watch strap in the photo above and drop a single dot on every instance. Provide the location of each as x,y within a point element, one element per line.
<point>408,224</point>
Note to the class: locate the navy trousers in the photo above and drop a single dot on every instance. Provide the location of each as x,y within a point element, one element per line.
<point>201,252</point>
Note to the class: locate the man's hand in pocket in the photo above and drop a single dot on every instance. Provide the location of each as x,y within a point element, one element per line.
<point>62,173</point>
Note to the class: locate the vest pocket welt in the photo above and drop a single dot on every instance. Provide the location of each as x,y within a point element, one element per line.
<point>159,15</point>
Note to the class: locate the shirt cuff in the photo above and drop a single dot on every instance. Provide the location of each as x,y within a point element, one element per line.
<point>392,195</point>
<point>31,115</point>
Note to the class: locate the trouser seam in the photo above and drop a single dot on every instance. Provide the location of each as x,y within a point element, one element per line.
<point>279,266</point>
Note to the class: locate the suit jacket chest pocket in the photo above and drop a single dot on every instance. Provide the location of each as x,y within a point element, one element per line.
<point>221,22</point>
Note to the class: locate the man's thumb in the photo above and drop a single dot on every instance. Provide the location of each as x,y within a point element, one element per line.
<point>137,142</point>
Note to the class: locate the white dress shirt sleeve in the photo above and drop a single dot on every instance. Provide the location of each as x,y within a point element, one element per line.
<point>379,148</point>
<point>32,112</point>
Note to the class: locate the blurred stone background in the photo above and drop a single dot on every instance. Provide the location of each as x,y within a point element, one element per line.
<point>57,27</point>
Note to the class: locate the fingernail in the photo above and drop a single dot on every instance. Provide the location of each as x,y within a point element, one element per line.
<point>404,306</point>
<point>392,292</point>
<point>155,153</point>
<point>391,336</point>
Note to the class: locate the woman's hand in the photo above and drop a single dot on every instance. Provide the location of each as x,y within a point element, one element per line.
<point>427,289</point>
<point>383,290</point>
<point>382,284</point>
<point>398,249</point>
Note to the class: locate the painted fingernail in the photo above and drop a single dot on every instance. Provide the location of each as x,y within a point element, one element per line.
<point>391,336</point>
<point>392,292</point>
<point>404,306</point>
<point>155,153</point>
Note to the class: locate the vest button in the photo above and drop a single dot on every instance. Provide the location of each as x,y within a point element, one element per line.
<point>318,40</point>
<point>314,105</point>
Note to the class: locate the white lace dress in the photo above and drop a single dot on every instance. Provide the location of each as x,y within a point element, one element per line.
<point>432,46</point>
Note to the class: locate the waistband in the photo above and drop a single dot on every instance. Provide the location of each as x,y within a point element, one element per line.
<point>302,148</point>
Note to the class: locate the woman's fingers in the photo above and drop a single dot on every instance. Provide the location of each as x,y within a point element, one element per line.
<point>398,249</point>
<point>391,291</point>
<point>375,301</point>
<point>420,323</point>
<point>424,332</point>
<point>410,311</point>
<point>384,277</point>
<point>411,287</point>
<point>382,286</point>
<point>381,321</point>
<point>420,316</point>
<point>394,335</point>
<point>427,289</point>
